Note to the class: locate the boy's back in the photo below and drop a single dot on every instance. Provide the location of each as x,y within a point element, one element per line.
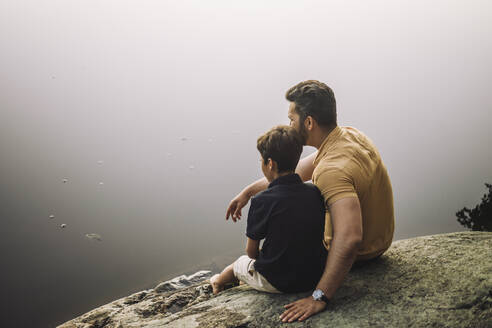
<point>290,216</point>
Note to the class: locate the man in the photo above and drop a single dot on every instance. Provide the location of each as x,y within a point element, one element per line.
<point>355,185</point>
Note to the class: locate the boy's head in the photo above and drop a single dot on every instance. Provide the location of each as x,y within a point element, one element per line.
<point>280,150</point>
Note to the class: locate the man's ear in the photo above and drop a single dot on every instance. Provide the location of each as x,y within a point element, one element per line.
<point>270,164</point>
<point>309,123</point>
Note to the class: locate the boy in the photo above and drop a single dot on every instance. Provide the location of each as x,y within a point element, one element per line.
<point>290,216</point>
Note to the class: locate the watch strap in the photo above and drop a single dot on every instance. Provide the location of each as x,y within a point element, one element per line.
<point>318,295</point>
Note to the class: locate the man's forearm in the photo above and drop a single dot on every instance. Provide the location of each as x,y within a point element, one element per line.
<point>256,187</point>
<point>338,263</point>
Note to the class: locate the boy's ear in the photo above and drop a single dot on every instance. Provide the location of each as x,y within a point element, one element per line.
<point>270,163</point>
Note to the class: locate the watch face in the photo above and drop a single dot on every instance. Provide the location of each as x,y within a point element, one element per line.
<point>317,294</point>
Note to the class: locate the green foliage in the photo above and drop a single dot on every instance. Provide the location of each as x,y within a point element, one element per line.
<point>480,217</point>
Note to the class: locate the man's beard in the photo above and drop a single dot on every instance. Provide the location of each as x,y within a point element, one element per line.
<point>303,133</point>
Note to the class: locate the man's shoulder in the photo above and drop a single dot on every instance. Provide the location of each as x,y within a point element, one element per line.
<point>359,140</point>
<point>354,131</point>
<point>352,149</point>
<point>333,168</point>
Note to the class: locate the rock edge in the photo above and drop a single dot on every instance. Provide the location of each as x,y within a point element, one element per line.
<point>432,281</point>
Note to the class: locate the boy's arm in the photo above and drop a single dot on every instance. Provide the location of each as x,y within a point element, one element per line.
<point>252,248</point>
<point>304,168</point>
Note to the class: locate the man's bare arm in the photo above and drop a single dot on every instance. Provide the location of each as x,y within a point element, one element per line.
<point>304,168</point>
<point>347,236</point>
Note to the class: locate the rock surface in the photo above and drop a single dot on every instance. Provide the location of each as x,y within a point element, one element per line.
<point>433,281</point>
<point>182,281</point>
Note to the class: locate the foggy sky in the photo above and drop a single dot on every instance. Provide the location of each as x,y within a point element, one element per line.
<point>124,81</point>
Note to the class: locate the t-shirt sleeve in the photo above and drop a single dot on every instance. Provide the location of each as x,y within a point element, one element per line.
<point>257,220</point>
<point>334,185</point>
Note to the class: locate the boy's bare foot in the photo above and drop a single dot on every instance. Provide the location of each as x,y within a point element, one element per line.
<point>216,287</point>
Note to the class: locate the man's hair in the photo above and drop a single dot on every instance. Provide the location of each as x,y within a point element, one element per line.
<point>316,99</point>
<point>282,144</point>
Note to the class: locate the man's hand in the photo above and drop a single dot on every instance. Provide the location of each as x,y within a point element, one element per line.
<point>235,206</point>
<point>302,309</point>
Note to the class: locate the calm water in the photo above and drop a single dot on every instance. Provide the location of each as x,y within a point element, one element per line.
<point>171,97</point>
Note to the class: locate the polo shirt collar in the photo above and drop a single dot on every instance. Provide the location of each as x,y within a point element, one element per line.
<point>288,179</point>
<point>328,142</point>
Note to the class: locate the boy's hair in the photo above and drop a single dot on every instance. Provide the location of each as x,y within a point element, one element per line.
<point>283,144</point>
<point>316,99</point>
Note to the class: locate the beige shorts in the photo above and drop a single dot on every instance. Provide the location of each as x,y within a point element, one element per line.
<point>244,270</point>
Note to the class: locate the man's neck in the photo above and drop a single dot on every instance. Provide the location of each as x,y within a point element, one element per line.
<point>320,136</point>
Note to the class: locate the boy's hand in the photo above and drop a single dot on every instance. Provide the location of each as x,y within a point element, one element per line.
<point>302,309</point>
<point>235,206</point>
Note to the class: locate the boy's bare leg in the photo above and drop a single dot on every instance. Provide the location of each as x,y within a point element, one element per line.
<point>218,281</point>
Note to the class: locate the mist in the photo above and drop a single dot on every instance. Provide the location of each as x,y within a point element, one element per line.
<point>151,109</point>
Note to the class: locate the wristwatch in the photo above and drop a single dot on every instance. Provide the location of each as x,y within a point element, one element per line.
<point>318,295</point>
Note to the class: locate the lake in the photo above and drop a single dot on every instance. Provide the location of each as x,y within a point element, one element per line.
<point>137,122</point>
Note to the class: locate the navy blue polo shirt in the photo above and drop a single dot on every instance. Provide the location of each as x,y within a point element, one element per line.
<point>290,216</point>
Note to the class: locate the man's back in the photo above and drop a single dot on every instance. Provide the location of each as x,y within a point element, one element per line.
<point>290,216</point>
<point>348,164</point>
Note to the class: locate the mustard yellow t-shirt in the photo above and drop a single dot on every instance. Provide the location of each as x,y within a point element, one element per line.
<point>349,165</point>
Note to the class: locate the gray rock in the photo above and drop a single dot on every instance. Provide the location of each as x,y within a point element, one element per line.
<point>433,281</point>
<point>182,281</point>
